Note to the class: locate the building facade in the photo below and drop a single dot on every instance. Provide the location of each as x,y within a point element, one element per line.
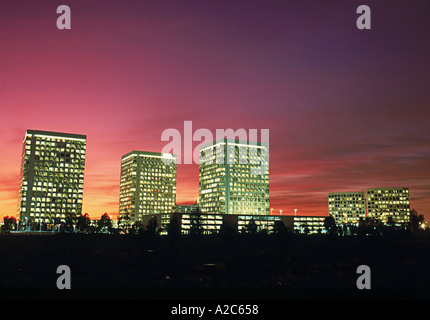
<point>347,207</point>
<point>187,208</point>
<point>387,204</point>
<point>148,184</point>
<point>234,178</point>
<point>51,177</point>
<point>309,224</point>
<point>212,223</point>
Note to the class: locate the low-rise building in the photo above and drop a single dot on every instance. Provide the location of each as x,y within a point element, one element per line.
<point>387,204</point>
<point>347,207</point>
<point>309,224</point>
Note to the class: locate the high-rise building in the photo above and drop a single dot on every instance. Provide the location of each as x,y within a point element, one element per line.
<point>148,184</point>
<point>51,177</point>
<point>386,203</point>
<point>347,207</point>
<point>234,177</point>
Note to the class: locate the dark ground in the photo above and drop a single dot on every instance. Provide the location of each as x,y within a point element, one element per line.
<point>109,266</point>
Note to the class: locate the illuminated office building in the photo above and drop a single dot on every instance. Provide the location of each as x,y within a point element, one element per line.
<point>51,177</point>
<point>383,203</point>
<point>213,223</point>
<point>234,177</point>
<point>346,207</point>
<point>309,224</point>
<point>148,184</point>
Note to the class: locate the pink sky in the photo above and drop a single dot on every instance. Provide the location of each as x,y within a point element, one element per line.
<point>346,109</point>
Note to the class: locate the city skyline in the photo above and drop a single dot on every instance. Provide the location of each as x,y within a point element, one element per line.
<point>347,109</point>
<point>52,166</point>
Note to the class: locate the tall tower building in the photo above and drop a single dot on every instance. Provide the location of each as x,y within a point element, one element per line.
<point>234,177</point>
<point>148,184</point>
<point>51,177</point>
<point>383,203</point>
<point>347,207</point>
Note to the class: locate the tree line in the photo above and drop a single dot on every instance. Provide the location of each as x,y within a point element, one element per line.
<point>83,224</point>
<point>371,226</point>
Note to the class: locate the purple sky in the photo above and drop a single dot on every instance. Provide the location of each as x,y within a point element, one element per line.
<point>347,109</point>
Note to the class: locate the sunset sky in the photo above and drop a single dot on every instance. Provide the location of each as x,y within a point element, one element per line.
<point>347,109</point>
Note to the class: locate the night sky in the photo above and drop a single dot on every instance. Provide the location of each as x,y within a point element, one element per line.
<point>347,109</point>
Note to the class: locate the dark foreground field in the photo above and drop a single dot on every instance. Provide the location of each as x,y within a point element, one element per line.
<point>267,267</point>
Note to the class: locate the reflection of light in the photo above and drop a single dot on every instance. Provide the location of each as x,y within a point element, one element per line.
<point>210,264</point>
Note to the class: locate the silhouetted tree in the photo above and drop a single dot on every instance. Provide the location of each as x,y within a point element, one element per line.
<point>104,224</point>
<point>369,226</point>
<point>152,227</point>
<point>174,227</point>
<point>279,227</point>
<point>361,229</point>
<point>415,220</point>
<point>227,231</point>
<point>68,225</point>
<point>330,225</point>
<point>9,223</point>
<point>390,222</point>
<point>137,227</point>
<point>251,227</point>
<point>83,223</point>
